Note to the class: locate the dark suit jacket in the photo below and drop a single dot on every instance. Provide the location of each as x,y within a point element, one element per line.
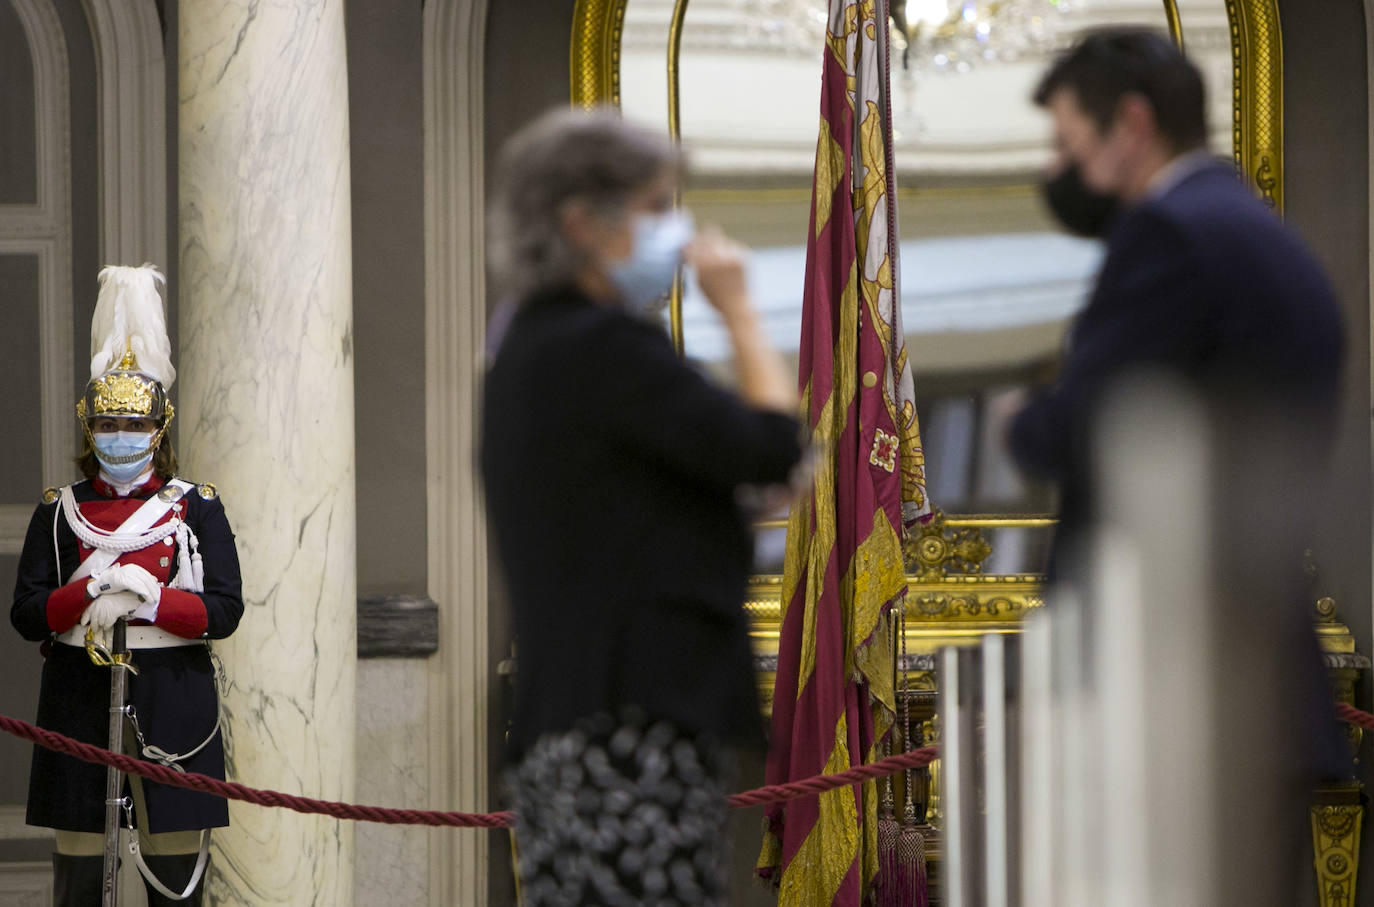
<point>611,473</point>
<point>1206,284</point>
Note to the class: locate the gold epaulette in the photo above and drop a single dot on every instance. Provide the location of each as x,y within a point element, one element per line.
<point>50,495</point>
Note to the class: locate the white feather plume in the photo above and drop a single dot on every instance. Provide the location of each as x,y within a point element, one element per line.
<point>129,315</point>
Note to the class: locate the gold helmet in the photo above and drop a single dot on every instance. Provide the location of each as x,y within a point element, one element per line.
<point>129,323</point>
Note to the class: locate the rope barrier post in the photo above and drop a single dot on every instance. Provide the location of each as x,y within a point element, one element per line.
<point>1037,763</point>
<point>958,793</point>
<point>1075,787</point>
<point>996,816</point>
<point>1159,818</point>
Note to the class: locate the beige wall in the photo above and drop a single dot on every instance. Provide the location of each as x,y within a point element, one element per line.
<point>18,485</point>
<point>1327,157</point>
<point>386,136</point>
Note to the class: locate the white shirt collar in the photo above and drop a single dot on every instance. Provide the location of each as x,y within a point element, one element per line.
<point>1178,170</point>
<point>124,488</point>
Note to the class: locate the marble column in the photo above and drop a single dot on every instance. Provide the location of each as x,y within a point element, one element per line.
<point>266,397</point>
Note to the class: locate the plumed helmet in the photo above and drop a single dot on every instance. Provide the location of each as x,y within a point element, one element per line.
<point>131,365</point>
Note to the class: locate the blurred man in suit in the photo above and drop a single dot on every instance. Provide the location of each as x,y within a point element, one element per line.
<point>1201,279</point>
<point>1202,286</point>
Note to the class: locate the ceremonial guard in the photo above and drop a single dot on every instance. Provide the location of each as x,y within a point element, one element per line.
<point>134,549</point>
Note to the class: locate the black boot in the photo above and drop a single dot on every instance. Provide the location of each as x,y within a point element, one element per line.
<point>173,871</point>
<point>76,881</point>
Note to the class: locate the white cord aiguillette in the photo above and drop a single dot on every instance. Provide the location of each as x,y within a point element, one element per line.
<point>139,531</point>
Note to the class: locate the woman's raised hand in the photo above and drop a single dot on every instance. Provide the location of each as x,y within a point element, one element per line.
<point>719,263</point>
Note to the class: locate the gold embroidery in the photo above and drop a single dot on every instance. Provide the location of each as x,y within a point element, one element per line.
<point>824,857</point>
<point>829,172</point>
<point>884,451</point>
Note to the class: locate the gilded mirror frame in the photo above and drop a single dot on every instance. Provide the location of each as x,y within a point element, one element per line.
<point>1257,148</point>
<point>1256,63</point>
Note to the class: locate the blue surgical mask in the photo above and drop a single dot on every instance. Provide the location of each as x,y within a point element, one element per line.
<point>645,278</point>
<point>123,455</point>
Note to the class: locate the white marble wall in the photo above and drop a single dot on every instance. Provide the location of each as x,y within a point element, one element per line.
<point>394,770</point>
<point>266,396</point>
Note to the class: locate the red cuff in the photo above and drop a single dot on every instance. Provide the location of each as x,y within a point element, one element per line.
<point>182,613</point>
<point>66,604</point>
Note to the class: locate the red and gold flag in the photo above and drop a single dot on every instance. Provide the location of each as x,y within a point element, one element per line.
<point>833,701</point>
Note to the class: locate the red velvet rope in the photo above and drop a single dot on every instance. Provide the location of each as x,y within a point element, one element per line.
<point>154,771</point>
<point>1355,716</point>
<point>229,790</point>
<point>777,793</point>
<point>773,793</point>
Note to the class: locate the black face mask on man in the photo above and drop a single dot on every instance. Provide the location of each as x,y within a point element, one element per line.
<point>1082,211</point>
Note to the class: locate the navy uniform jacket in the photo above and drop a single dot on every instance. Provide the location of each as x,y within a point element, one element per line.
<point>173,693</point>
<point>1206,284</point>
<point>611,472</point>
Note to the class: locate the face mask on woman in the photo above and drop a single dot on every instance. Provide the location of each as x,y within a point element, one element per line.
<point>123,455</point>
<point>1081,210</point>
<point>645,278</point>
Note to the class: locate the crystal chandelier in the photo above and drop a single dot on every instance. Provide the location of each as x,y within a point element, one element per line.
<point>952,36</point>
<point>956,36</point>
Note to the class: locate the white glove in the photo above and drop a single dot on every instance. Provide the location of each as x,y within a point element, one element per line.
<point>141,583</point>
<point>105,611</point>
<point>126,577</point>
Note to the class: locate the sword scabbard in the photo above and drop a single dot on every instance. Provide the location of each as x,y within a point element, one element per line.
<point>119,663</point>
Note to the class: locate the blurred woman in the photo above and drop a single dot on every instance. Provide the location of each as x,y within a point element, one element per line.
<point>613,473</point>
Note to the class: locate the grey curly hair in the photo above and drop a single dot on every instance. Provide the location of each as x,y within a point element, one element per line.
<point>593,157</point>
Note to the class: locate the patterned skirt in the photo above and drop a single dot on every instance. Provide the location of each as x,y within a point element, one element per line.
<point>629,812</point>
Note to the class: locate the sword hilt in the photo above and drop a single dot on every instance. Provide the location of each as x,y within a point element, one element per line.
<point>116,655</point>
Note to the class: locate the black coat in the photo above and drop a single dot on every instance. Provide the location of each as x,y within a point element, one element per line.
<point>612,471</point>
<point>1206,284</point>
<point>173,693</point>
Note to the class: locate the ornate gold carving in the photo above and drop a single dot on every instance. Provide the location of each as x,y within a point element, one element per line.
<point>1257,110</point>
<point>122,393</point>
<point>965,606</point>
<point>595,52</point>
<point>1338,815</point>
<point>930,736</point>
<point>921,681</point>
<point>1343,663</point>
<point>937,550</point>
<point>979,598</point>
<point>1336,851</point>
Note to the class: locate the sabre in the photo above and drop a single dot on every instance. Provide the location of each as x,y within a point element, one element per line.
<point>119,663</point>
